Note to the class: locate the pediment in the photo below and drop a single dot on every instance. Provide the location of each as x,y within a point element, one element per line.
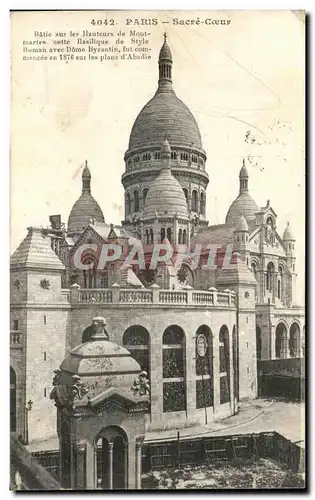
<point>116,398</point>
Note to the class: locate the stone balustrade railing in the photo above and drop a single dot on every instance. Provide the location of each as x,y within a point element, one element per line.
<point>153,295</point>
<point>16,339</point>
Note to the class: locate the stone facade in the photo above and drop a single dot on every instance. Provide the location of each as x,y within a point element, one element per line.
<point>197,331</point>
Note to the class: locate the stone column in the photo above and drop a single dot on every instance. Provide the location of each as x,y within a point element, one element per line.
<point>284,347</point>
<point>91,479</point>
<point>110,457</point>
<point>126,465</point>
<point>138,463</point>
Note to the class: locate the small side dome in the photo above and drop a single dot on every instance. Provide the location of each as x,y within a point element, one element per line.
<point>85,208</point>
<point>241,224</point>
<point>287,235</point>
<point>165,196</point>
<point>244,204</point>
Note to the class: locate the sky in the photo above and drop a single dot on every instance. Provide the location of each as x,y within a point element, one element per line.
<point>244,83</point>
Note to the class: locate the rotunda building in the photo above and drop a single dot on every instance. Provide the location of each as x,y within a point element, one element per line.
<point>165,115</point>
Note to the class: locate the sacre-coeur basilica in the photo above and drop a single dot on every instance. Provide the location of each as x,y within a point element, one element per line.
<point>193,332</point>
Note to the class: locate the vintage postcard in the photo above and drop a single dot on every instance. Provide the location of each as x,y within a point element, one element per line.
<point>157,325</point>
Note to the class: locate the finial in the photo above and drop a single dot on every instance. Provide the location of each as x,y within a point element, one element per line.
<point>86,163</point>
<point>243,162</point>
<point>268,203</point>
<point>165,36</point>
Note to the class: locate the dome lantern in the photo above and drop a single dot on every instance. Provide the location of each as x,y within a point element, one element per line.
<point>165,67</point>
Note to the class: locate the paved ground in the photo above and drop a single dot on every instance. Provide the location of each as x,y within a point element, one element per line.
<point>255,416</point>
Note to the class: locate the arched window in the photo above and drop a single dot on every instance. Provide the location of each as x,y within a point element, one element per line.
<point>184,156</point>
<point>204,367</point>
<point>162,234</point>
<point>184,237</point>
<point>136,159</point>
<point>128,204</point>
<point>136,201</point>
<point>151,236</point>
<point>169,234</point>
<point>281,341</point>
<point>174,383</point>
<point>258,342</point>
<point>194,203</point>
<point>173,155</point>
<point>194,159</point>
<point>137,340</point>
<point>224,350</point>
<point>294,341</point>
<point>269,222</point>
<point>12,400</point>
<point>89,275</point>
<point>202,204</point>
<point>186,194</point>
<point>280,283</point>
<point>146,157</point>
<point>147,241</point>
<point>270,274</point>
<point>157,155</point>
<point>180,236</point>
<point>144,194</point>
<point>104,279</point>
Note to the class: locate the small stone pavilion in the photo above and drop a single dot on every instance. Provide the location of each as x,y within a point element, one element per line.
<point>101,397</point>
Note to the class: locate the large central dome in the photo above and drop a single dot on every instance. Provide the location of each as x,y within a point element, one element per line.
<point>165,115</point>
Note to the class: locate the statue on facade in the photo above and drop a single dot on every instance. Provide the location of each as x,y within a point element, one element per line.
<point>141,386</point>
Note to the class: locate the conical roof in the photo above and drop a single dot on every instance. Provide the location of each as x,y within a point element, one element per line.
<point>237,274</point>
<point>35,251</point>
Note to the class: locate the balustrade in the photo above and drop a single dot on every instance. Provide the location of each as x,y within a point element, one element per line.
<point>16,338</point>
<point>116,295</point>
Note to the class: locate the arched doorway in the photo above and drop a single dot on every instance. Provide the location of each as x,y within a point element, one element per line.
<point>137,340</point>
<point>258,342</point>
<point>174,380</point>
<point>294,340</point>
<point>204,368</point>
<point>281,341</point>
<point>111,453</point>
<point>12,400</point>
<point>224,351</point>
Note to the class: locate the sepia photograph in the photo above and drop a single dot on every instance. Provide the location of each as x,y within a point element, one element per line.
<point>157,250</point>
